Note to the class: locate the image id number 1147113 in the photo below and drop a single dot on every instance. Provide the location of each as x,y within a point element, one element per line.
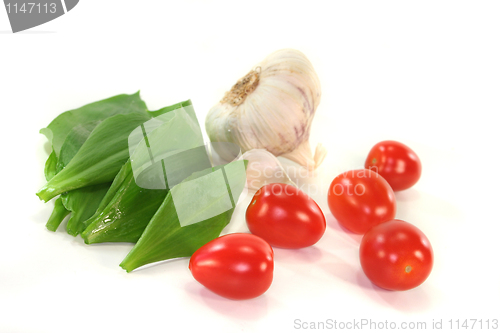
<point>487,324</point>
<point>31,8</point>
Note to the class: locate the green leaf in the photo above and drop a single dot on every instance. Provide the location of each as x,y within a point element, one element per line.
<point>89,116</point>
<point>120,178</point>
<point>164,136</point>
<point>128,206</point>
<point>100,157</point>
<point>73,142</point>
<point>58,214</point>
<point>126,214</point>
<point>61,126</point>
<point>51,166</point>
<point>185,104</point>
<point>82,203</point>
<point>164,237</point>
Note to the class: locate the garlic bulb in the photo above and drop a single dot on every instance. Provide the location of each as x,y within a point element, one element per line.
<point>264,168</point>
<point>271,108</point>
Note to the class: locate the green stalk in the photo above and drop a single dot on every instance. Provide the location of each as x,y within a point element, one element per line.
<point>58,214</point>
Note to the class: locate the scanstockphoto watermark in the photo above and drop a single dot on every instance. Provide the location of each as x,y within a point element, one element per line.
<point>370,324</point>
<point>258,173</point>
<point>357,324</point>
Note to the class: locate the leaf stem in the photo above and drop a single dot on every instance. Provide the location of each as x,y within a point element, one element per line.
<point>57,216</point>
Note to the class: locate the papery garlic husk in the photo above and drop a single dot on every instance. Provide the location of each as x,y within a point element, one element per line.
<point>272,108</point>
<point>264,168</point>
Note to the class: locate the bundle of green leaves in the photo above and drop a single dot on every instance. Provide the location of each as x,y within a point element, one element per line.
<point>90,175</point>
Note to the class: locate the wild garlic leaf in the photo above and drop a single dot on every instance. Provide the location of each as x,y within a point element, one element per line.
<point>61,126</point>
<point>187,105</point>
<point>73,142</point>
<point>50,166</point>
<point>169,134</point>
<point>128,207</point>
<point>126,214</point>
<point>117,183</point>
<point>100,157</point>
<point>165,238</point>
<point>82,203</point>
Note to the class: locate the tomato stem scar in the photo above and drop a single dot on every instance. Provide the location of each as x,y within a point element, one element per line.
<point>408,269</point>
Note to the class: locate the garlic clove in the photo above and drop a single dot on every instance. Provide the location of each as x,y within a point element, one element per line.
<point>264,168</point>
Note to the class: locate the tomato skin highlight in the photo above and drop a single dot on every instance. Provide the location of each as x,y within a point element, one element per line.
<point>361,199</point>
<point>285,217</point>
<point>396,255</point>
<point>396,162</point>
<point>236,266</point>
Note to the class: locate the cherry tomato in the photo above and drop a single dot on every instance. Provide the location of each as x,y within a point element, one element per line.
<point>396,255</point>
<point>285,217</point>
<point>236,266</point>
<point>361,199</point>
<point>396,162</point>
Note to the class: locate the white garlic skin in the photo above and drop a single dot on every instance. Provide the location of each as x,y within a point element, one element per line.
<point>276,114</point>
<point>264,168</point>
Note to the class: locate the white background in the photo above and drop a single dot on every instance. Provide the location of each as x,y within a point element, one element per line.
<point>426,73</point>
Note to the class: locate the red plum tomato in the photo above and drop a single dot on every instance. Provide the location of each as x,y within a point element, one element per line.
<point>396,255</point>
<point>285,217</point>
<point>236,266</point>
<point>396,162</point>
<point>361,199</point>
